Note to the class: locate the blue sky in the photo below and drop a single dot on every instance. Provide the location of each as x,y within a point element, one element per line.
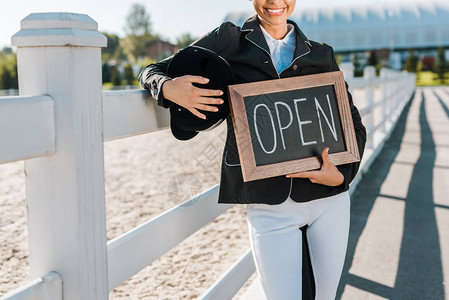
<point>170,18</point>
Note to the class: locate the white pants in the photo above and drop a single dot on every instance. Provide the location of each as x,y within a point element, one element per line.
<point>276,242</point>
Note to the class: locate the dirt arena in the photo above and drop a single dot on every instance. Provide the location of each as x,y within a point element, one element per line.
<point>140,175</point>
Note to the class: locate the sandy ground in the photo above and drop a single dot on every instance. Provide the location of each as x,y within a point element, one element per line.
<point>140,173</point>
<point>13,231</point>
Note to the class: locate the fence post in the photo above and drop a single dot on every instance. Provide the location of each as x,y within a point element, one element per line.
<point>400,91</point>
<point>385,88</point>
<point>369,73</point>
<point>348,71</point>
<point>59,54</point>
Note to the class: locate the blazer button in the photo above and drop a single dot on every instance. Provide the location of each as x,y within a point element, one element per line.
<point>295,67</point>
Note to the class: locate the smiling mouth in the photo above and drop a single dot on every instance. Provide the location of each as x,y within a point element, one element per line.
<point>275,11</point>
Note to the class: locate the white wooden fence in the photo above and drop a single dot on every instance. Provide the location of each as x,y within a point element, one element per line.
<point>58,125</point>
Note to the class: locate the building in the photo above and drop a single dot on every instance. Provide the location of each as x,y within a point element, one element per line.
<point>158,49</point>
<point>391,29</point>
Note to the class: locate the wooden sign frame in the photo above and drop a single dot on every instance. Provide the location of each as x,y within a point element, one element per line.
<point>238,92</point>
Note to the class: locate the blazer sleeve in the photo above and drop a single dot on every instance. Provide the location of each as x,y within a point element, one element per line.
<point>153,76</point>
<point>349,171</point>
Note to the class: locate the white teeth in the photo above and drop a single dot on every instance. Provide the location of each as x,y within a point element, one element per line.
<point>275,11</point>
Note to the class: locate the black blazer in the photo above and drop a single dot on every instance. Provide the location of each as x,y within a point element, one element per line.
<point>248,54</point>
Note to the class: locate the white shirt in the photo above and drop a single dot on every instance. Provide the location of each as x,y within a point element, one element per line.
<point>282,50</point>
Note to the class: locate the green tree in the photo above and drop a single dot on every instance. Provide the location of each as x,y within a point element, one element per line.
<point>5,78</point>
<point>138,21</point>
<point>358,71</point>
<point>185,40</point>
<point>441,65</point>
<point>116,79</point>
<point>372,59</point>
<point>411,64</point>
<point>8,69</point>
<point>7,50</point>
<point>128,74</point>
<point>112,50</point>
<point>106,72</point>
<point>338,59</point>
<point>146,61</point>
<point>137,28</point>
<point>419,70</point>
<point>14,83</point>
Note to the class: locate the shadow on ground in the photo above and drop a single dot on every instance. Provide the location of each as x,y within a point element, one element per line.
<point>419,274</point>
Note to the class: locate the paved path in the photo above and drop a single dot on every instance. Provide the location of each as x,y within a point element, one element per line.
<point>399,237</point>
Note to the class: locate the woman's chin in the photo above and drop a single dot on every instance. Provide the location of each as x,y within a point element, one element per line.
<point>273,21</point>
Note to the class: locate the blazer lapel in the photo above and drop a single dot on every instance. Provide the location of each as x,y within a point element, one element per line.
<point>303,45</point>
<point>255,35</point>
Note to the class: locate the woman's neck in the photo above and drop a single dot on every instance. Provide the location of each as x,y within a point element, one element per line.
<point>275,31</point>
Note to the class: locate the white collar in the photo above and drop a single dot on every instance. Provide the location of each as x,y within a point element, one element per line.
<point>288,39</point>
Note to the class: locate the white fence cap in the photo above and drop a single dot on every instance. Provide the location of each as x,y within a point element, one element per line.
<point>59,20</point>
<point>58,29</point>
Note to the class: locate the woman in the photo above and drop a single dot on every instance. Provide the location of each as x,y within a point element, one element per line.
<point>269,46</point>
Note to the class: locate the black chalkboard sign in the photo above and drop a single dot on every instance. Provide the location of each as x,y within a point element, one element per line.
<point>283,125</point>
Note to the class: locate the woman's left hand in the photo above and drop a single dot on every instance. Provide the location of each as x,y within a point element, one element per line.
<point>327,175</point>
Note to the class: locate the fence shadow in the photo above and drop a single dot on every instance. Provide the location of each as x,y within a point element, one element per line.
<point>419,274</point>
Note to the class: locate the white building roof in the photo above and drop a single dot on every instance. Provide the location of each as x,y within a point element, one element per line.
<point>422,24</point>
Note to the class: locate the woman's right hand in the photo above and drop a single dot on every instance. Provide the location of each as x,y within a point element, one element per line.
<point>181,91</point>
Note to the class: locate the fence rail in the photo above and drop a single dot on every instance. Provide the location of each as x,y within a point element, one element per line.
<point>232,280</point>
<point>63,132</point>
<point>27,123</point>
<point>46,287</point>
<point>127,113</point>
<point>134,250</point>
<point>27,127</point>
